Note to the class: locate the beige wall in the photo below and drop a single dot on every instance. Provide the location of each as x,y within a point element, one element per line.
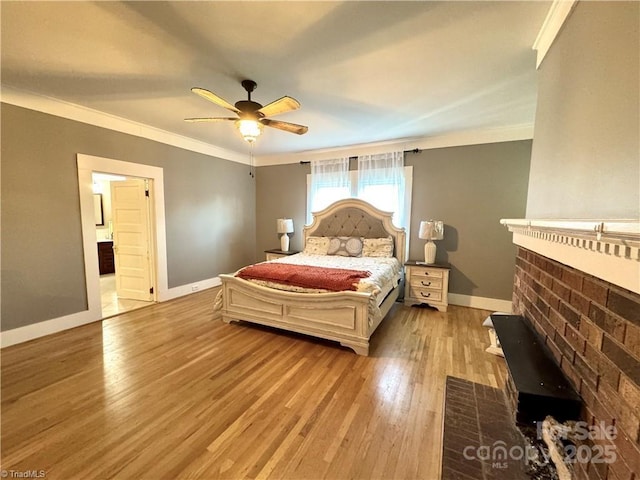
<point>209,208</point>
<point>585,160</point>
<point>470,188</point>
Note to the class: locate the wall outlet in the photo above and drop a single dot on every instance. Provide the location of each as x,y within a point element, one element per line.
<point>195,288</point>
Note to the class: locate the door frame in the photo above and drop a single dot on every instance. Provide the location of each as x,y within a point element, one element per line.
<point>87,164</point>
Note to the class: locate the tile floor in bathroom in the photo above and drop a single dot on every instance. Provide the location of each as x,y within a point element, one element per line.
<point>111,304</point>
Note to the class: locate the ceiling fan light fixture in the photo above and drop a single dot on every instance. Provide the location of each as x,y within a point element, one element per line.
<point>249,129</point>
<point>252,115</point>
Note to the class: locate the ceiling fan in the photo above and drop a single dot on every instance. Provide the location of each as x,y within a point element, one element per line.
<point>251,115</point>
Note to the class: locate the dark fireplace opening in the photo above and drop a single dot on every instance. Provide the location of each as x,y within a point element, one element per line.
<point>539,395</point>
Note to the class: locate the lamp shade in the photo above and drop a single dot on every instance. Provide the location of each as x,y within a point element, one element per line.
<point>431,230</point>
<point>285,225</point>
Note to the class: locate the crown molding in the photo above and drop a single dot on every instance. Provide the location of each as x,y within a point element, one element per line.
<point>72,111</point>
<point>606,249</point>
<point>454,139</point>
<point>557,15</point>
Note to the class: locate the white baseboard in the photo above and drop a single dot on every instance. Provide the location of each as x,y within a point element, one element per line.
<point>55,325</point>
<point>484,303</point>
<point>189,288</point>
<point>48,327</point>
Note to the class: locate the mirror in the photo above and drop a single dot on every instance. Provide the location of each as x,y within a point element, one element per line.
<point>97,209</point>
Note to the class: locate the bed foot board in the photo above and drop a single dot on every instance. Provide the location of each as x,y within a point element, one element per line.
<point>359,348</point>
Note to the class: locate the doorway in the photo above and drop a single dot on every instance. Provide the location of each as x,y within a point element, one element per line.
<point>106,295</point>
<point>124,226</point>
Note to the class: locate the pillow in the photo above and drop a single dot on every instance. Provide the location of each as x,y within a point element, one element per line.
<point>316,245</point>
<point>377,247</point>
<point>345,246</point>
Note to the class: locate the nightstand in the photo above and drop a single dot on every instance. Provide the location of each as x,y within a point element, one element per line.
<point>273,254</point>
<point>427,284</point>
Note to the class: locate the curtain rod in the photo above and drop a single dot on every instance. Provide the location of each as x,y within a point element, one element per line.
<point>415,150</point>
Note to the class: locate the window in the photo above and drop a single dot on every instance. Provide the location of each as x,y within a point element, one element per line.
<point>383,197</point>
<point>381,182</point>
<point>325,196</point>
<point>379,193</point>
<point>331,183</point>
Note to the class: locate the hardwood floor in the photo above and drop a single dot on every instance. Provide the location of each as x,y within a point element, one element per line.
<point>168,392</point>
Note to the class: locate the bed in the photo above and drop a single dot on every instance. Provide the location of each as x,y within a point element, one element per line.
<point>348,317</point>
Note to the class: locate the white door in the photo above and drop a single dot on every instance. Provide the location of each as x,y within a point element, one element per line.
<point>130,206</point>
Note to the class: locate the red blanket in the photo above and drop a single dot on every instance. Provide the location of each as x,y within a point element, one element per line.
<point>334,279</point>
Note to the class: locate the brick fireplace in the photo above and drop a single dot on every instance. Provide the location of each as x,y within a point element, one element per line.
<point>592,328</point>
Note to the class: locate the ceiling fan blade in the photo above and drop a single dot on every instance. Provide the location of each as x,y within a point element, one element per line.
<point>282,105</point>
<point>212,97</point>
<point>286,126</point>
<point>209,119</point>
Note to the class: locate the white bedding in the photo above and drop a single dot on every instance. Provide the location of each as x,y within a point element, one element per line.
<point>385,273</point>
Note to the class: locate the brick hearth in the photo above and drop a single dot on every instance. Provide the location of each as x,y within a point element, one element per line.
<point>477,416</point>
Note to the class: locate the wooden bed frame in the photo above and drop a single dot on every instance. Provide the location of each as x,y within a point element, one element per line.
<point>340,316</point>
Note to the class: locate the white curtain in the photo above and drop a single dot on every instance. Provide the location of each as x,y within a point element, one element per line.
<point>329,182</point>
<point>381,182</point>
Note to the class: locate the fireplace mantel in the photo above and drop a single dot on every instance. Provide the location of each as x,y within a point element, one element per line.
<point>607,249</point>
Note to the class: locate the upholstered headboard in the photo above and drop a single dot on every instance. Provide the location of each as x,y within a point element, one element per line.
<point>356,218</point>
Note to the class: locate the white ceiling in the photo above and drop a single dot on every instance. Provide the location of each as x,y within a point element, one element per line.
<point>363,71</point>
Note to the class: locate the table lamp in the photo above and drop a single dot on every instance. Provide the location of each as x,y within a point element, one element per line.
<point>285,227</point>
<point>431,230</point>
